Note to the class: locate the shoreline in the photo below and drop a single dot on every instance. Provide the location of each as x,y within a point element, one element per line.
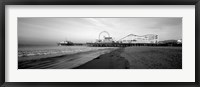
<point>63,61</point>
<point>112,60</point>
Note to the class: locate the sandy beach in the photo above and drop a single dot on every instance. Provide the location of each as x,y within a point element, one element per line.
<point>112,58</point>
<point>153,57</point>
<point>138,58</point>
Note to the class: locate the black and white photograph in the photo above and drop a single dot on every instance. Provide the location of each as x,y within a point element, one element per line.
<point>99,42</point>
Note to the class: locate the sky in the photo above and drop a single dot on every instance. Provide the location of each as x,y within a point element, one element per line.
<point>49,31</point>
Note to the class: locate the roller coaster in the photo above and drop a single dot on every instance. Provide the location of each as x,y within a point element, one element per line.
<point>131,38</point>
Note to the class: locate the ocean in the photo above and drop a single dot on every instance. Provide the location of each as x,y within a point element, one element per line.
<point>37,52</point>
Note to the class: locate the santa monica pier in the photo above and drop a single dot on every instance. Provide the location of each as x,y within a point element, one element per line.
<point>105,40</point>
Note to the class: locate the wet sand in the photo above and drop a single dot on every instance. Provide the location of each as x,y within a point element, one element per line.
<point>111,60</point>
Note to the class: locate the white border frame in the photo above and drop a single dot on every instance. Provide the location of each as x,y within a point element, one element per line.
<point>187,74</point>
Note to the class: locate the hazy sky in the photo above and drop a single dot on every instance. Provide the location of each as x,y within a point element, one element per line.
<point>49,31</point>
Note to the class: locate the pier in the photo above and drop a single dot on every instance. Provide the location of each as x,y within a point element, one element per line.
<point>128,44</point>
<point>131,40</point>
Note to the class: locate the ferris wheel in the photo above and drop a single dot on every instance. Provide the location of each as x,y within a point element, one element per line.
<point>103,32</point>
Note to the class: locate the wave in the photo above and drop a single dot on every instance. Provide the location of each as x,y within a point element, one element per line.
<point>51,51</point>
